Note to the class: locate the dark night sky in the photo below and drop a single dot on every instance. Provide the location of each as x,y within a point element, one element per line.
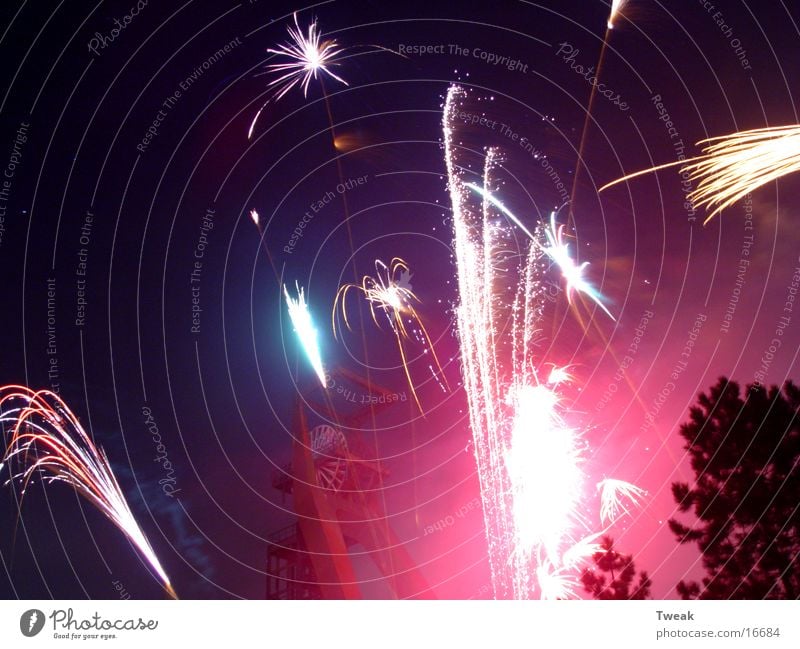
<point>222,397</point>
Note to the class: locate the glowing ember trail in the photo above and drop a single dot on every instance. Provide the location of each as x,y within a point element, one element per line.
<point>304,328</point>
<point>735,165</point>
<point>48,440</point>
<point>616,10</point>
<point>389,291</point>
<point>529,459</point>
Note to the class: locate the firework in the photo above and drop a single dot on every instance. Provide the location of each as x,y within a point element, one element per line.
<point>558,252</point>
<point>307,55</point>
<point>735,165</point>
<point>389,292</point>
<point>48,440</point>
<point>530,461</point>
<point>255,218</point>
<point>305,330</point>
<point>616,11</point>
<point>526,529</point>
<point>555,583</point>
<point>543,462</point>
<point>613,493</point>
<point>556,249</point>
<point>559,375</point>
<point>502,207</point>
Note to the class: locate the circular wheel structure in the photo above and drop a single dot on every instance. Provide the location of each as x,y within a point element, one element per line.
<point>329,453</point>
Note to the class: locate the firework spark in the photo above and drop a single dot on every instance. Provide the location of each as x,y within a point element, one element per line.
<point>559,375</point>
<point>305,330</point>
<point>616,11</point>
<point>308,55</point>
<point>389,292</point>
<point>557,250</point>
<point>613,494</point>
<point>555,583</point>
<point>256,218</point>
<point>502,207</point>
<point>48,440</point>
<point>735,165</point>
<point>529,459</point>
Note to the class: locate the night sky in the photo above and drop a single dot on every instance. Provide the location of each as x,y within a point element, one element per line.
<point>130,179</point>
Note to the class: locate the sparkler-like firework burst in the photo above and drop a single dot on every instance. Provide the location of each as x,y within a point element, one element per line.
<point>48,440</point>
<point>558,252</point>
<point>305,330</point>
<point>556,249</point>
<point>388,292</point>
<point>735,165</point>
<point>308,55</point>
<point>613,494</point>
<point>529,458</point>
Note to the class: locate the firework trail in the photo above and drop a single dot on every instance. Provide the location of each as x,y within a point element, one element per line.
<point>529,459</point>
<point>616,10</point>
<point>557,250</point>
<point>389,292</point>
<point>48,440</point>
<point>735,165</point>
<point>305,330</point>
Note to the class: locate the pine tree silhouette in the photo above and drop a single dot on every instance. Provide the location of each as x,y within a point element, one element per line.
<point>745,454</point>
<point>613,576</point>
